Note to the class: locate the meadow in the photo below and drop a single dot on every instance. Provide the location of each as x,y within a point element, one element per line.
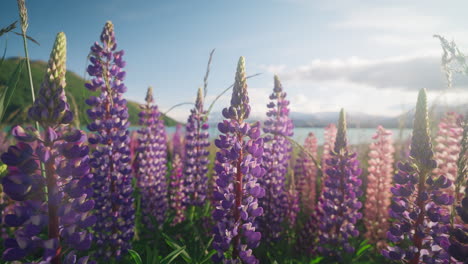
<point>79,185</point>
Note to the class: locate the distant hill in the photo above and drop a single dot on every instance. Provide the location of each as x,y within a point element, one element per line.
<point>74,90</point>
<point>359,120</point>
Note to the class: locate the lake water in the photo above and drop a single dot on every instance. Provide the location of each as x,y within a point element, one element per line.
<point>355,135</point>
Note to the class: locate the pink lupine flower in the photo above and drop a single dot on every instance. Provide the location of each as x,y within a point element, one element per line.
<point>378,187</point>
<point>447,149</point>
<point>329,142</point>
<point>176,191</point>
<point>305,172</point>
<point>310,170</point>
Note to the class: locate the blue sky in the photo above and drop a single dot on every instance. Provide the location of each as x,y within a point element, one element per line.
<point>366,56</point>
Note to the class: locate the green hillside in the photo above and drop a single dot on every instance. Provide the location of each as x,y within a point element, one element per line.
<point>75,90</point>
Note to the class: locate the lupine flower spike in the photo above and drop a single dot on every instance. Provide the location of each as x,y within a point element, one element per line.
<point>339,205</point>
<point>306,173</point>
<point>276,158</point>
<point>420,225</point>
<point>196,151</point>
<point>110,160</point>
<point>329,142</point>
<point>447,149</point>
<point>459,235</point>
<point>59,203</point>
<point>176,192</point>
<point>379,182</point>
<point>238,167</point>
<point>152,168</point>
<point>178,146</point>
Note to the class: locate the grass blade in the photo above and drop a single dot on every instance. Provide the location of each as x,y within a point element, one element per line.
<point>135,256</point>
<point>7,93</point>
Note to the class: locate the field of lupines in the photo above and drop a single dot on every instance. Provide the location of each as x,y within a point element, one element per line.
<point>253,195</point>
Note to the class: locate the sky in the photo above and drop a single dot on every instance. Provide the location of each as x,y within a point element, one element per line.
<point>365,56</point>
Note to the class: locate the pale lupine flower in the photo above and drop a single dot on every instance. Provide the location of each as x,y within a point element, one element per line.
<point>329,142</point>
<point>378,186</point>
<point>447,149</point>
<point>176,191</point>
<point>310,172</point>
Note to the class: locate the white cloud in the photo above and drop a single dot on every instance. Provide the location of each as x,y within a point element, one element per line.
<point>405,73</point>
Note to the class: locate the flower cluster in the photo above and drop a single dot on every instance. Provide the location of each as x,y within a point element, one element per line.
<point>447,149</point>
<point>110,160</point>
<point>276,156</point>
<point>58,198</point>
<point>238,167</point>
<point>177,143</point>
<point>329,142</point>
<point>152,160</point>
<point>306,173</point>
<point>292,205</point>
<point>339,204</point>
<point>458,248</point>
<point>420,225</point>
<point>196,151</point>
<point>176,191</point>
<point>379,182</point>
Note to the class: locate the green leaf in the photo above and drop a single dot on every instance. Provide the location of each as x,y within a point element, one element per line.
<point>170,242</point>
<point>207,258</point>
<point>135,256</point>
<point>362,250</point>
<point>7,92</point>
<point>316,260</point>
<point>173,255</point>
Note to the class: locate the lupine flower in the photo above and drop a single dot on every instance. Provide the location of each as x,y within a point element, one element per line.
<point>276,158</point>
<point>329,142</point>
<point>152,160</point>
<point>447,149</point>
<point>110,161</point>
<point>379,180</point>
<point>176,191</point>
<point>306,173</point>
<point>459,234</point>
<point>4,142</point>
<point>340,205</point>
<point>196,151</point>
<point>292,198</point>
<point>239,166</point>
<point>420,225</point>
<point>59,200</point>
<point>307,240</point>
<point>178,145</point>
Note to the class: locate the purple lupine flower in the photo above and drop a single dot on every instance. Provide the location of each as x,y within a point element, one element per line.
<point>458,248</point>
<point>196,151</point>
<point>152,160</point>
<point>58,200</point>
<point>420,226</point>
<point>110,161</point>
<point>275,161</point>
<point>177,143</point>
<point>339,205</point>
<point>239,166</point>
<point>176,192</point>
